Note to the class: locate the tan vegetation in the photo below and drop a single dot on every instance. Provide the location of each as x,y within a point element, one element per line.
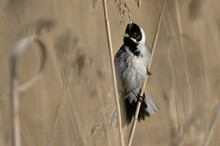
<point>71,102</point>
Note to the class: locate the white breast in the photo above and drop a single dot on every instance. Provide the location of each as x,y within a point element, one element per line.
<point>136,68</point>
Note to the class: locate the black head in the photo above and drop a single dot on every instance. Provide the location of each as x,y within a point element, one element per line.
<point>133,34</point>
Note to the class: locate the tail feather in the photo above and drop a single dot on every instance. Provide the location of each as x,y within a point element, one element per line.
<point>147,108</point>
<point>113,118</point>
<point>151,106</point>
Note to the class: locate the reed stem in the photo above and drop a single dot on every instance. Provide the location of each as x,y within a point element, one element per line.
<point>107,25</point>
<point>148,68</point>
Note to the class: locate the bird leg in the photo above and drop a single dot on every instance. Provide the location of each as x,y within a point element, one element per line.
<point>149,72</point>
<point>140,98</point>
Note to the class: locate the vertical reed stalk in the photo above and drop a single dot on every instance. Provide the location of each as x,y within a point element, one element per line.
<point>107,25</point>
<point>148,68</point>
<point>187,101</point>
<point>212,126</point>
<point>22,45</point>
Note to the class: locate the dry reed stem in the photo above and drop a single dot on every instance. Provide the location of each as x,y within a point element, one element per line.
<point>57,115</point>
<point>212,125</point>
<point>174,118</point>
<point>20,48</point>
<point>105,108</point>
<point>148,68</point>
<point>121,136</point>
<point>180,37</point>
<point>77,126</point>
<point>100,130</point>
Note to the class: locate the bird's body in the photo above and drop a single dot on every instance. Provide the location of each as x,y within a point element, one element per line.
<point>131,63</point>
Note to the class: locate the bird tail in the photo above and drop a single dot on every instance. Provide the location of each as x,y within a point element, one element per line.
<point>113,118</point>
<point>151,106</point>
<point>147,108</point>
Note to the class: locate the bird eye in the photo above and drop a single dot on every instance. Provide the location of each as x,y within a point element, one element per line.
<point>134,35</point>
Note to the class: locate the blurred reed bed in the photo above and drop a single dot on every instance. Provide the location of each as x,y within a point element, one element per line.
<point>71,103</point>
<point>188,102</point>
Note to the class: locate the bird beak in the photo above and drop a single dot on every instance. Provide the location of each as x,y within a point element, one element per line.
<point>126,35</point>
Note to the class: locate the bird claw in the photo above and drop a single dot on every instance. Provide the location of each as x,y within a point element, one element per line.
<point>149,72</point>
<point>140,98</point>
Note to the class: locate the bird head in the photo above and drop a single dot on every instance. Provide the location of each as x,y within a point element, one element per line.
<point>134,35</point>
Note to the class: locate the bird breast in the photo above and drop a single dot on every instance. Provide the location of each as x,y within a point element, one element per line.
<point>135,72</point>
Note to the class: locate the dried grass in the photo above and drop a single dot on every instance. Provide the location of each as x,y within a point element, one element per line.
<point>115,87</point>
<point>79,76</point>
<point>15,88</point>
<point>122,7</point>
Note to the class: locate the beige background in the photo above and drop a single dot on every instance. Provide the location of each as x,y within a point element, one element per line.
<point>71,103</point>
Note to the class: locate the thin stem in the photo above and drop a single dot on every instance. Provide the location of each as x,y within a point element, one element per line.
<point>113,72</point>
<point>145,81</point>
<point>22,45</point>
<point>186,103</point>
<point>212,126</point>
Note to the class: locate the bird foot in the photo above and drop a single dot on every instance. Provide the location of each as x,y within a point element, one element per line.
<point>149,72</point>
<point>140,98</point>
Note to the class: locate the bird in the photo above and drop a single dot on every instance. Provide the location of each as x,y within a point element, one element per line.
<point>131,62</point>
